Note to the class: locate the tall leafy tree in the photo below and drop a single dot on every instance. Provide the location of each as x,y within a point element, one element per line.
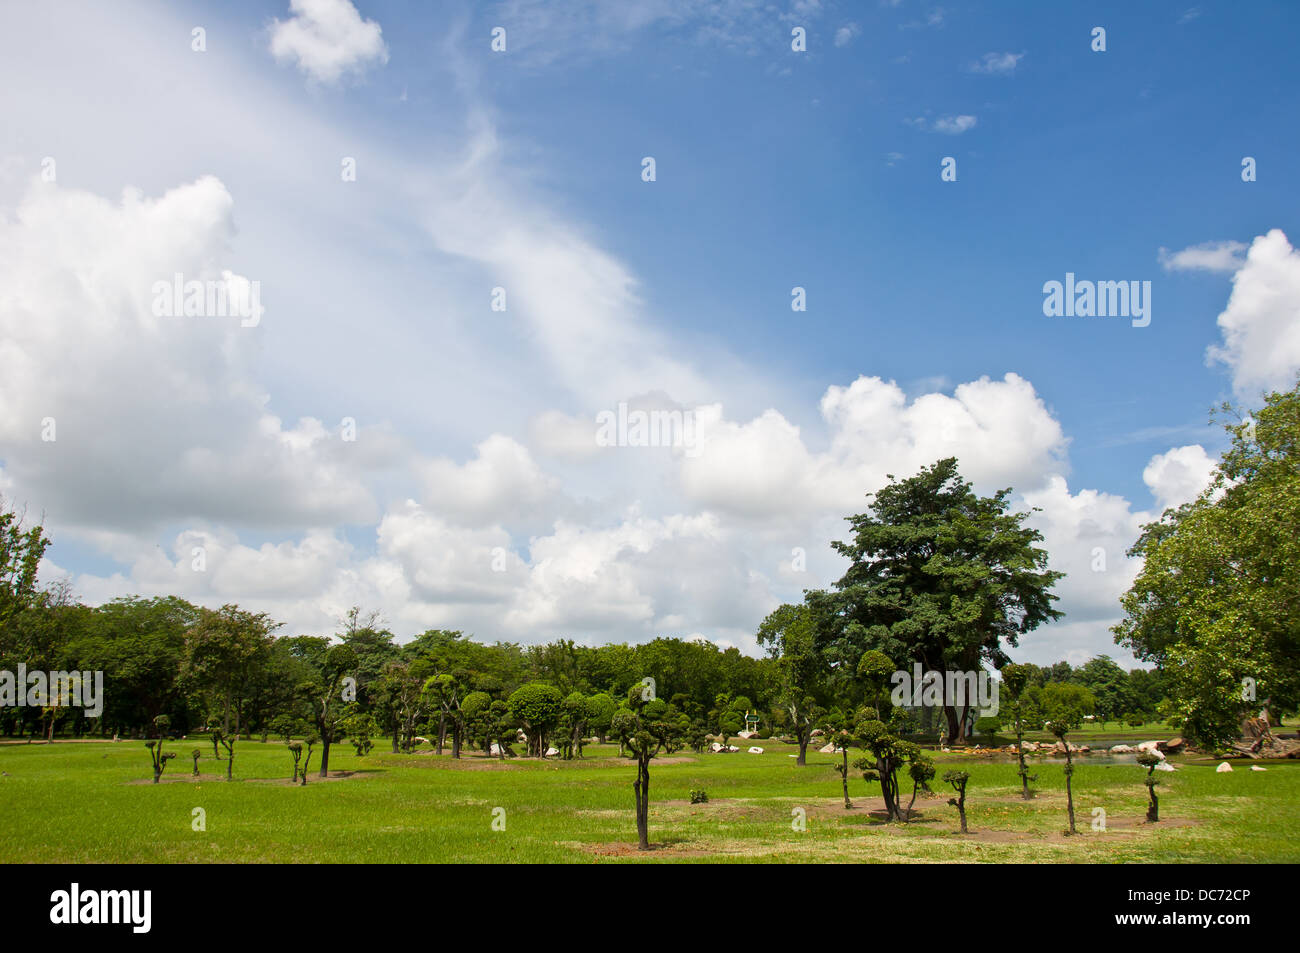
<point>940,576</point>
<point>790,635</point>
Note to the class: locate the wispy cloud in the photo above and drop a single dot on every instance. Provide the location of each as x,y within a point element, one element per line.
<point>327,39</point>
<point>1209,256</point>
<point>997,64</point>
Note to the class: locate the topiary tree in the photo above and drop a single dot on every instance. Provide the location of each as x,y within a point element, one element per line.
<point>1065,705</point>
<point>836,728</point>
<point>313,739</point>
<point>1015,678</point>
<point>889,754</point>
<point>643,731</point>
<point>921,771</point>
<point>958,781</point>
<point>537,708</point>
<point>196,754</point>
<point>1149,760</point>
<point>359,728</point>
<point>228,742</point>
<point>988,726</point>
<point>158,757</point>
<point>295,749</point>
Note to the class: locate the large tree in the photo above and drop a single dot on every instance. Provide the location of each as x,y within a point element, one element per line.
<point>939,576</point>
<point>1216,605</point>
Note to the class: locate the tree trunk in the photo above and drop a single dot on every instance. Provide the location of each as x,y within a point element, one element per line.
<point>230,765</point>
<point>802,760</point>
<point>1069,790</point>
<point>455,740</point>
<point>844,778</point>
<point>641,787</point>
<point>324,758</point>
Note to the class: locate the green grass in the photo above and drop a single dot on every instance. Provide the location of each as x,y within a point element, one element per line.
<point>75,802</point>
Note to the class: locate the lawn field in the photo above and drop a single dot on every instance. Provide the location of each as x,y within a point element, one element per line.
<point>87,802</point>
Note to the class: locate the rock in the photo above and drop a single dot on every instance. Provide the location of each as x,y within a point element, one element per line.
<point>1149,746</point>
<point>421,741</point>
<point>1173,744</point>
<point>495,749</point>
<point>1121,749</point>
<point>746,734</point>
<point>1084,749</point>
<point>816,733</point>
<point>551,751</point>
<point>715,747</point>
<point>1255,767</point>
<point>732,748</point>
<point>826,749</point>
<point>755,750</point>
<point>1164,766</point>
<point>1223,768</point>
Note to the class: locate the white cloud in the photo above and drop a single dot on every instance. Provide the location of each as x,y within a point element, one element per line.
<point>1179,475</point>
<point>328,38</point>
<point>846,34</point>
<point>954,125</point>
<point>997,64</point>
<point>1261,324</point>
<point>1209,256</point>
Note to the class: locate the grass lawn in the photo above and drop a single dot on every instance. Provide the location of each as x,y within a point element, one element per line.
<point>93,802</point>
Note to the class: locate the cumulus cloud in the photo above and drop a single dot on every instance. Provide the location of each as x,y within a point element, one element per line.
<point>114,415</point>
<point>1179,475</point>
<point>327,39</point>
<point>1261,324</point>
<point>1209,256</point>
<point>846,34</point>
<point>948,125</point>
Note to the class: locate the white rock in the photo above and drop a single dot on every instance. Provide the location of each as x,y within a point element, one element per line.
<point>1223,768</point>
<point>1255,767</point>
<point>1148,746</point>
<point>1164,766</point>
<point>755,750</point>
<point>551,751</point>
<point>826,749</point>
<point>715,747</point>
<point>1121,749</point>
<point>495,749</point>
<point>732,748</point>
<point>746,734</point>
<point>421,741</point>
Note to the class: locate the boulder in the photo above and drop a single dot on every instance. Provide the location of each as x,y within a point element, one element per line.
<point>552,751</point>
<point>826,749</point>
<point>715,747</point>
<point>746,734</point>
<point>495,749</point>
<point>732,748</point>
<point>1121,749</point>
<point>1255,767</point>
<point>1149,746</point>
<point>1164,766</point>
<point>1223,768</point>
<point>816,733</point>
<point>755,750</point>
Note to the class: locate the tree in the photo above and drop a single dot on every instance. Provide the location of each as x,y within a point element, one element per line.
<point>1015,678</point>
<point>837,730</point>
<point>1149,760</point>
<point>161,724</point>
<point>958,781</point>
<point>445,692</point>
<point>889,753</point>
<point>790,634</point>
<point>643,730</point>
<point>1109,685</point>
<point>573,721</point>
<point>537,707</point>
<point>223,650</point>
<point>325,666</point>
<point>1216,605</point>
<point>21,551</point>
<point>938,576</point>
<point>921,771</point>
<point>1065,705</point>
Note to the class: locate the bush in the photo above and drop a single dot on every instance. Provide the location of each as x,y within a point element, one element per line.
<point>699,796</point>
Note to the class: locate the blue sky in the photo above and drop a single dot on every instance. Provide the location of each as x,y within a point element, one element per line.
<point>522,169</point>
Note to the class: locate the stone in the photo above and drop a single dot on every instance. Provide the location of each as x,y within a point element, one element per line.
<point>495,749</point>
<point>1223,768</point>
<point>552,751</point>
<point>755,750</point>
<point>1164,766</point>
<point>1149,746</point>
<point>715,747</point>
<point>826,749</point>
<point>1255,767</point>
<point>1121,749</point>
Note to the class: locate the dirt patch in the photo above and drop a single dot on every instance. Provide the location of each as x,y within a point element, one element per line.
<point>313,778</point>
<point>663,849</point>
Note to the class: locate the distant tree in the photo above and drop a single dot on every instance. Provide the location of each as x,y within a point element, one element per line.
<point>196,754</point>
<point>921,771</point>
<point>295,750</point>
<point>791,637</point>
<point>325,666</point>
<point>837,730</point>
<point>161,724</point>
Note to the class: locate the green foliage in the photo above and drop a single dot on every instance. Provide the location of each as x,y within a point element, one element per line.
<point>538,708</point>
<point>699,796</point>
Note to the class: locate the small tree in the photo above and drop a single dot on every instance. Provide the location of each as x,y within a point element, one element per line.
<point>537,708</point>
<point>1065,705</point>
<point>1149,760</point>
<point>196,754</point>
<point>1014,679</point>
<point>890,753</point>
<point>958,781</point>
<point>921,771</point>
<point>312,740</point>
<point>643,730</point>
<point>159,758</point>
<point>228,742</point>
<point>295,749</point>
<point>838,736</point>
